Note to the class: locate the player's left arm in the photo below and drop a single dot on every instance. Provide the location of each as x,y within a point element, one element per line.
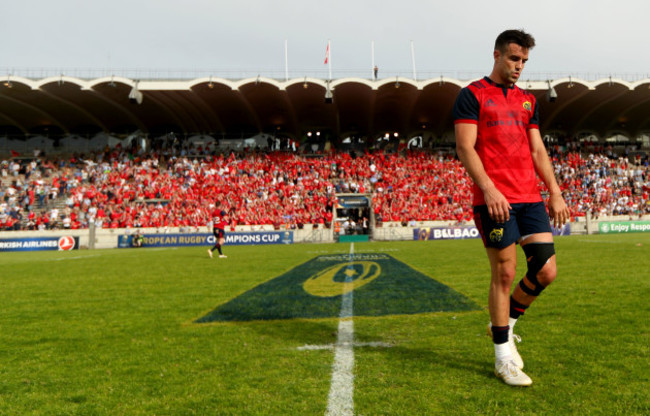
<point>557,207</point>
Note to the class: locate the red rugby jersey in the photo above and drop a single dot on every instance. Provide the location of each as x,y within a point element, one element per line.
<point>218,220</point>
<point>503,116</point>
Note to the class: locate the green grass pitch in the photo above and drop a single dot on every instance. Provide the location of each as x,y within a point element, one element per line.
<point>115,332</point>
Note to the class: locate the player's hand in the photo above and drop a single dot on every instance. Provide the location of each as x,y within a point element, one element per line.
<point>558,210</point>
<point>497,205</point>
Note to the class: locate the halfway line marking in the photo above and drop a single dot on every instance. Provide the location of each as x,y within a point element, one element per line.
<point>373,344</point>
<point>341,397</point>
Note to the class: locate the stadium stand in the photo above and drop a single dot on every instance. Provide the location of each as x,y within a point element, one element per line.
<point>121,188</point>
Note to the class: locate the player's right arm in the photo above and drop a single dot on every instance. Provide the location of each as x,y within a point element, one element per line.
<point>497,204</point>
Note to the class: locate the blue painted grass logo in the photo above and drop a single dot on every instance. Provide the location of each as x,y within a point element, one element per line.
<point>331,281</point>
<point>382,286</point>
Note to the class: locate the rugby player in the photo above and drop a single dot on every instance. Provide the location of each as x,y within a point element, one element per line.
<point>499,143</point>
<point>218,224</point>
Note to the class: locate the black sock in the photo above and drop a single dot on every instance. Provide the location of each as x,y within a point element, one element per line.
<point>516,309</point>
<point>500,334</point>
<point>218,246</point>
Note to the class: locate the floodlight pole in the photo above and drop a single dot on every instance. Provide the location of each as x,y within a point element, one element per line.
<point>415,77</point>
<point>286,60</point>
<point>372,66</point>
<point>329,58</point>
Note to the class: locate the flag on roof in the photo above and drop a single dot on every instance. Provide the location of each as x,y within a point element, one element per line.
<point>327,53</point>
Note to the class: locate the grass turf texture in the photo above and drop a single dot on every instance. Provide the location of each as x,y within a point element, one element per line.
<point>110,332</point>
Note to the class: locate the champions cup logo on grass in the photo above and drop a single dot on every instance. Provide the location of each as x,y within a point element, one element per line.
<point>382,285</point>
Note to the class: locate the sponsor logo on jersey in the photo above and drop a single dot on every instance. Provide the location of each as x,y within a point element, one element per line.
<point>507,123</point>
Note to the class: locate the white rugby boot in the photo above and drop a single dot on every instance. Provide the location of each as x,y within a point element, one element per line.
<point>512,337</point>
<point>519,362</point>
<point>512,375</point>
<point>210,253</point>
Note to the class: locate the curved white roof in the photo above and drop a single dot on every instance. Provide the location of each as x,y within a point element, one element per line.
<point>222,107</point>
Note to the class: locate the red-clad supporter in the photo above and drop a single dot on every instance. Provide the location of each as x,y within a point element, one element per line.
<point>290,190</point>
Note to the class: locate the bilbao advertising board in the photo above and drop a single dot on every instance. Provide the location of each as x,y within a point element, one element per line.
<point>611,227</point>
<point>454,233</point>
<point>175,240</point>
<point>445,233</point>
<point>65,243</point>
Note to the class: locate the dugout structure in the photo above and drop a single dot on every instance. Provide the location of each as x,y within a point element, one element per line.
<point>353,219</point>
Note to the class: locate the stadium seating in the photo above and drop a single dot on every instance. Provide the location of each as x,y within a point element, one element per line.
<point>281,190</point>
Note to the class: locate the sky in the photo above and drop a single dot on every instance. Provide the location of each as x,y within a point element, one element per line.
<point>234,38</point>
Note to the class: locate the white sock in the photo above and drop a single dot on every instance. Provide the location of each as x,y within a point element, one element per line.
<point>502,352</point>
<point>512,322</point>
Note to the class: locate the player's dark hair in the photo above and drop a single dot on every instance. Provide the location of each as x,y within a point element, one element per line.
<point>519,37</point>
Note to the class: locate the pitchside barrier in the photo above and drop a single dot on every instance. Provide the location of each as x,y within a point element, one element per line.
<point>62,243</point>
<point>205,239</point>
<point>611,227</point>
<point>113,238</point>
<point>455,233</point>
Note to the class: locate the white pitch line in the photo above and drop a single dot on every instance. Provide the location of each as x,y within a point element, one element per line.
<point>72,258</point>
<point>599,242</point>
<point>341,397</point>
<point>372,344</point>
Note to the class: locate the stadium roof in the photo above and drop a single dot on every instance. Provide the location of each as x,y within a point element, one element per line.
<point>59,106</point>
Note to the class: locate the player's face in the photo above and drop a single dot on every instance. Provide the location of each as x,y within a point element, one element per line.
<point>509,64</point>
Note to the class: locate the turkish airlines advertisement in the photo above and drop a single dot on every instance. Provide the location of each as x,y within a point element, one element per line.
<point>65,243</point>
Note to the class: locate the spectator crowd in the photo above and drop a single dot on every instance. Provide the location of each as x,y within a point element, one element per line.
<point>120,189</point>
